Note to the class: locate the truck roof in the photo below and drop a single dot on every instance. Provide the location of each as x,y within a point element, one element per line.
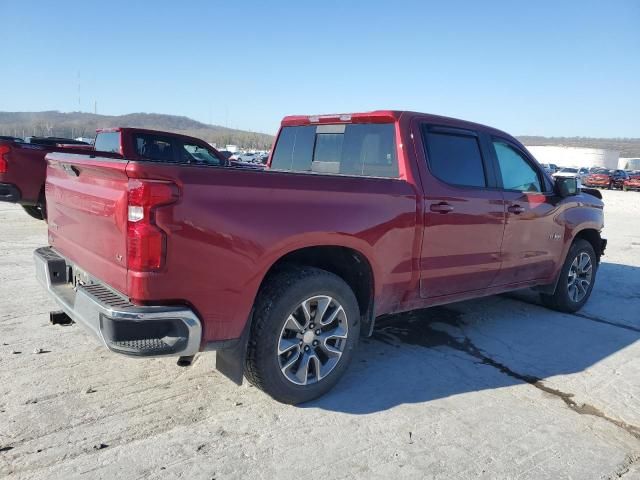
<point>151,132</point>
<point>385,116</point>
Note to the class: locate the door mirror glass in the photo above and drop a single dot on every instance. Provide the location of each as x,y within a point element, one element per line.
<point>566,186</point>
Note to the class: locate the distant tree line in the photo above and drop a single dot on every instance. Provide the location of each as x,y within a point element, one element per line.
<point>78,124</point>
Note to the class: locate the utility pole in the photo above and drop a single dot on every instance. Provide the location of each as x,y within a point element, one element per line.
<point>79,104</point>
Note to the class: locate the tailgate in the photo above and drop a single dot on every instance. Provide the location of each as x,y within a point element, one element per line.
<point>87,214</point>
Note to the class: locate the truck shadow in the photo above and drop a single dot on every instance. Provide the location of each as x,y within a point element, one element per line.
<point>485,344</point>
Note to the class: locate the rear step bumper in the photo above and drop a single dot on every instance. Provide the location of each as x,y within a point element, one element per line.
<point>139,331</point>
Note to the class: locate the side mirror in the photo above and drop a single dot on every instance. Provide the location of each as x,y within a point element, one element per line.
<point>566,186</point>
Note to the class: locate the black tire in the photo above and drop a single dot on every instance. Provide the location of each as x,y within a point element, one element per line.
<point>34,211</point>
<point>561,300</point>
<point>283,292</point>
<point>610,187</point>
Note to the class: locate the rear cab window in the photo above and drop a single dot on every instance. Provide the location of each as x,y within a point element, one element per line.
<point>156,148</point>
<point>362,149</point>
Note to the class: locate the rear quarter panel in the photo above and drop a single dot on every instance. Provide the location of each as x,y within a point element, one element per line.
<point>231,225</point>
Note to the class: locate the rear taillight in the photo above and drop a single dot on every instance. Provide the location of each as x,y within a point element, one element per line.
<point>146,242</point>
<point>4,150</point>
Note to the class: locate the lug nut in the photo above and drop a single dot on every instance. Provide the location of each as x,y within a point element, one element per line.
<point>306,348</point>
<point>312,326</point>
<point>315,343</point>
<point>318,332</point>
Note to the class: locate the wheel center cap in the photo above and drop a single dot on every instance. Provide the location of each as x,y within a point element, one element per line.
<point>308,336</point>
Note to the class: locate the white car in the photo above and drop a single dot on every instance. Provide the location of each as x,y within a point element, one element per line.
<point>245,157</point>
<point>573,172</point>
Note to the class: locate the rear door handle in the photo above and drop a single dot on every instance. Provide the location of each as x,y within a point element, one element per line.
<point>517,209</point>
<point>442,207</point>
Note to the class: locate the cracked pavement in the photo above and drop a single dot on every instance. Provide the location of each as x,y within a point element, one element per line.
<point>491,388</point>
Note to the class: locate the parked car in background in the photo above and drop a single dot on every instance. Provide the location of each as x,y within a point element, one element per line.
<point>23,168</point>
<point>600,178</point>
<point>550,167</point>
<point>11,139</point>
<point>247,157</point>
<point>632,182</point>
<point>358,215</point>
<point>23,165</point>
<point>618,178</point>
<point>567,172</point>
<point>54,141</point>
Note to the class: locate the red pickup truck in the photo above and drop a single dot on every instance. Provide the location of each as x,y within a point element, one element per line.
<point>357,216</point>
<point>23,169</point>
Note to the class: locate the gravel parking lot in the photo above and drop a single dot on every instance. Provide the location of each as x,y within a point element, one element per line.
<point>492,388</point>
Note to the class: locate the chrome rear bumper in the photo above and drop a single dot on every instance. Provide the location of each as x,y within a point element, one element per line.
<point>125,328</point>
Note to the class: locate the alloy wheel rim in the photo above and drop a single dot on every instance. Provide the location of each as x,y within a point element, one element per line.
<point>312,340</point>
<point>580,276</point>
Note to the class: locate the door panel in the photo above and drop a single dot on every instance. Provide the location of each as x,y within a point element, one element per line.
<point>463,224</point>
<point>461,248</point>
<point>532,239</point>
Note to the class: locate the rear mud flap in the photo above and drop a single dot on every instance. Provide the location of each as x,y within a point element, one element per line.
<point>230,360</point>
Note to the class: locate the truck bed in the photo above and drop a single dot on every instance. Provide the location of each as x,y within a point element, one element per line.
<point>227,227</point>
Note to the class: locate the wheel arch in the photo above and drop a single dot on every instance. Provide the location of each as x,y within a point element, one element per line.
<point>348,263</point>
<point>588,233</point>
<point>592,236</point>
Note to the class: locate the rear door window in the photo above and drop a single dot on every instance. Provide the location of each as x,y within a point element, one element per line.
<point>192,153</point>
<point>367,150</point>
<point>107,142</point>
<point>156,148</point>
<point>455,158</point>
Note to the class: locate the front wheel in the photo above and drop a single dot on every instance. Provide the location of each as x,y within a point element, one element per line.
<point>305,329</point>
<point>576,281</point>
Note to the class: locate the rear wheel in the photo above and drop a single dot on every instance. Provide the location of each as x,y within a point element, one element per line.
<point>34,211</point>
<point>577,278</point>
<point>306,326</point>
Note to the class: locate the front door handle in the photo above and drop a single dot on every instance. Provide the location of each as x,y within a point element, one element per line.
<point>517,209</point>
<point>442,207</point>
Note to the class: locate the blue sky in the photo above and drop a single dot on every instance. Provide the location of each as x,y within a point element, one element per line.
<point>539,68</point>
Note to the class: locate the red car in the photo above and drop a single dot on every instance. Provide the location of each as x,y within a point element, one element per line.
<point>282,270</point>
<point>599,178</point>
<point>22,170</point>
<point>632,182</point>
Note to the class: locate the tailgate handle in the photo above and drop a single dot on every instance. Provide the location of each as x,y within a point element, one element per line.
<point>71,169</point>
